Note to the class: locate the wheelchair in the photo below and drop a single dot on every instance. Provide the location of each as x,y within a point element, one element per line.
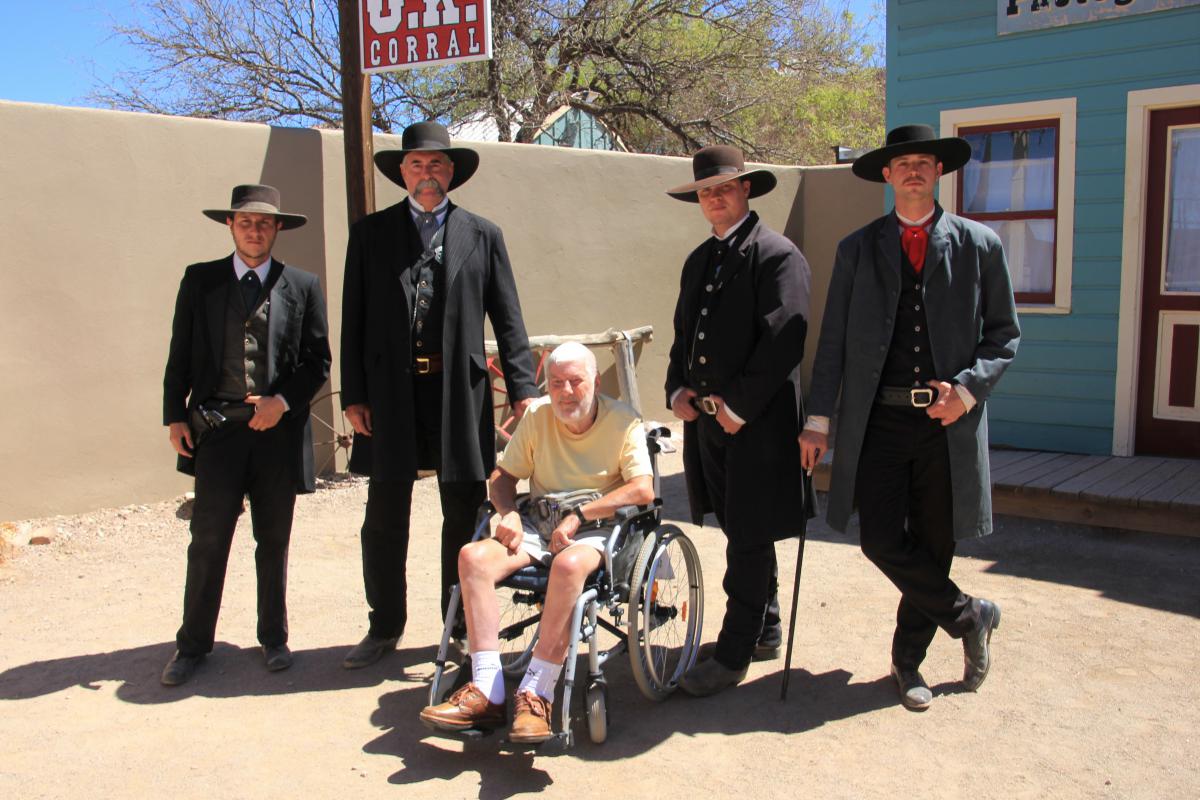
<point>648,592</point>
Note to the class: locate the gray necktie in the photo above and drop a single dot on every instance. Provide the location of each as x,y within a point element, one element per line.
<point>427,226</point>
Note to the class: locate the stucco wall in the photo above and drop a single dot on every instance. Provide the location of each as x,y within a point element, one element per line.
<point>102,212</point>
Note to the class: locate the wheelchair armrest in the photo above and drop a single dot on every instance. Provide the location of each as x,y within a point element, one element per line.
<point>626,513</point>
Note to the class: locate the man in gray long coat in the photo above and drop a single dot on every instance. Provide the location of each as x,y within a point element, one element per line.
<point>919,325</point>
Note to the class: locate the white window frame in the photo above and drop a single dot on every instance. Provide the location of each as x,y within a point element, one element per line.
<point>1063,110</point>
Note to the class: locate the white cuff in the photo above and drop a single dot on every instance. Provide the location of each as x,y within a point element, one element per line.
<point>817,424</point>
<point>965,395</point>
<point>674,394</point>
<point>733,415</point>
<point>286,407</point>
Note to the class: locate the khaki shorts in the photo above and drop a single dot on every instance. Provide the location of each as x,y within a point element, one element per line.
<point>539,549</point>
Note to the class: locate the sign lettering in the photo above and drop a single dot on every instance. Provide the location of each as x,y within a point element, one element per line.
<point>400,34</point>
<point>1016,16</point>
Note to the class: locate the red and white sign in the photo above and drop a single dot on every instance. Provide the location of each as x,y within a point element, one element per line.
<point>400,34</point>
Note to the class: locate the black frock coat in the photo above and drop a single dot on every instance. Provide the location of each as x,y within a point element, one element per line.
<point>376,347</point>
<point>754,343</point>
<point>298,355</point>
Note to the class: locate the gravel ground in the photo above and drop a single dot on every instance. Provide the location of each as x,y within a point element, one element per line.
<point>1092,693</point>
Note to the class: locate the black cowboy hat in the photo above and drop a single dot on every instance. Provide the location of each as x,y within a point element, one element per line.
<point>254,198</point>
<point>422,136</point>
<point>717,164</point>
<point>952,151</point>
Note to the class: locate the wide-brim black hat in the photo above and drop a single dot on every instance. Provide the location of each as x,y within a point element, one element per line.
<point>905,140</point>
<point>255,198</point>
<point>717,164</point>
<point>423,136</point>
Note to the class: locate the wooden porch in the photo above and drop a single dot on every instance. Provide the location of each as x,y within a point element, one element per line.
<point>1141,493</point>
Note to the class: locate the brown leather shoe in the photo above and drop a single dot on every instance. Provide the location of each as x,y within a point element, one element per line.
<point>467,708</point>
<point>531,718</point>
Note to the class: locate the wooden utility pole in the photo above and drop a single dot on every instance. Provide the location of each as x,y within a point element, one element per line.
<point>356,117</point>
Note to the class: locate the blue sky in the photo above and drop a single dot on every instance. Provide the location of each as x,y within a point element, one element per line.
<point>50,52</point>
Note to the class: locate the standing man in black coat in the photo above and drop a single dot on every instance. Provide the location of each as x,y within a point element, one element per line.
<point>734,379</point>
<point>249,349</point>
<point>420,276</point>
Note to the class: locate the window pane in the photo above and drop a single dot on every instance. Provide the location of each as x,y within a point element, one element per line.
<point>1183,210</point>
<point>1029,245</point>
<point>1010,171</point>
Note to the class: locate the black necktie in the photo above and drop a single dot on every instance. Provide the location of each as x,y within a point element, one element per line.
<point>251,289</point>
<point>427,226</point>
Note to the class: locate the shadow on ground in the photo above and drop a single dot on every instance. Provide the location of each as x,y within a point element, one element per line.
<point>1146,569</point>
<point>229,671</point>
<point>636,725</point>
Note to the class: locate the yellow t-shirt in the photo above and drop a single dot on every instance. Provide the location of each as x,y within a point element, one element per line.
<point>606,455</point>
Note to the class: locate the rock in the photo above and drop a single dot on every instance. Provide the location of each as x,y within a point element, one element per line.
<point>39,540</point>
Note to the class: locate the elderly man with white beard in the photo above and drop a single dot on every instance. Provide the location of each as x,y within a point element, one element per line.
<point>575,440</point>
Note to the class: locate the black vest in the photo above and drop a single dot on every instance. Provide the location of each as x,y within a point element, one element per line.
<point>705,373</point>
<point>909,360</point>
<point>244,355</point>
<point>429,296</point>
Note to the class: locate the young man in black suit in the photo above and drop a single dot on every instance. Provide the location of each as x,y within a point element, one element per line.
<point>734,379</point>
<point>249,349</point>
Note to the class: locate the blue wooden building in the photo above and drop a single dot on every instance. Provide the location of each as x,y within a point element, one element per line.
<point>1084,121</point>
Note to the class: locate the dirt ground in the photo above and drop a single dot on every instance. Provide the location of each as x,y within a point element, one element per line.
<point>1092,693</point>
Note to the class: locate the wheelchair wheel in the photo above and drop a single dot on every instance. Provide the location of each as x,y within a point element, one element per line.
<point>520,612</point>
<point>666,611</point>
<point>597,712</point>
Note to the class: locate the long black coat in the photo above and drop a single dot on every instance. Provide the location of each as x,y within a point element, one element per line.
<point>377,355</point>
<point>755,341</point>
<point>297,348</point>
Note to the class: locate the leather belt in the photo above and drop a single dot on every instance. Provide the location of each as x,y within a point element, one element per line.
<point>427,365</point>
<point>912,397</point>
<point>705,405</point>
<point>217,412</point>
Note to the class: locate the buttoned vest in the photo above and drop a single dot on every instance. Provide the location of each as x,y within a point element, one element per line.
<point>909,360</point>
<point>429,296</point>
<point>244,353</point>
<point>706,373</point>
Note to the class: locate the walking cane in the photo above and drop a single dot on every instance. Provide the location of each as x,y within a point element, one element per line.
<point>787,659</point>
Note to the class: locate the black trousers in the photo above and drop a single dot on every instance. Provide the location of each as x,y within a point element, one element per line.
<point>905,510</point>
<point>385,530</point>
<point>751,581</point>
<point>231,463</point>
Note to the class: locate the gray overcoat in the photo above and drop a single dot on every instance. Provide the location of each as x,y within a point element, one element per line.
<point>973,334</point>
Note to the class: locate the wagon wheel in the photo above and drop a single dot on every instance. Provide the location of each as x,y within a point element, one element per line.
<point>334,433</point>
<point>502,409</point>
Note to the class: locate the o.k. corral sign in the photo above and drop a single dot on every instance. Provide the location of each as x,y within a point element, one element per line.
<point>400,34</point>
<point>1015,16</point>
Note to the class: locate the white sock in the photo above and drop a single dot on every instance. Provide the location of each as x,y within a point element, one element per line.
<point>540,678</point>
<point>487,675</point>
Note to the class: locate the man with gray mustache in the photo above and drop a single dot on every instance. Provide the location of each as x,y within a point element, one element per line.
<point>420,276</point>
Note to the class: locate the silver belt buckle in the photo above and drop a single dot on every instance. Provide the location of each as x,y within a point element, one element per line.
<point>921,397</point>
<point>709,406</point>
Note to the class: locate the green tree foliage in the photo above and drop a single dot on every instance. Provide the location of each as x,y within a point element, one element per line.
<point>783,79</point>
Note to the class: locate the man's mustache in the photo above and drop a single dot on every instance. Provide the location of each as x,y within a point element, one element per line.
<point>429,184</point>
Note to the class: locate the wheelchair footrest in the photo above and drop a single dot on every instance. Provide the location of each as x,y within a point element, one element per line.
<point>467,734</point>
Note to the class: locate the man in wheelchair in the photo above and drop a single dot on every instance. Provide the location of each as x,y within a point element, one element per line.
<point>574,445</point>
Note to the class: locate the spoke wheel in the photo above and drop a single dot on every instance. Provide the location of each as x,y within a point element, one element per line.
<point>666,611</point>
<point>520,612</point>
<point>331,433</point>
